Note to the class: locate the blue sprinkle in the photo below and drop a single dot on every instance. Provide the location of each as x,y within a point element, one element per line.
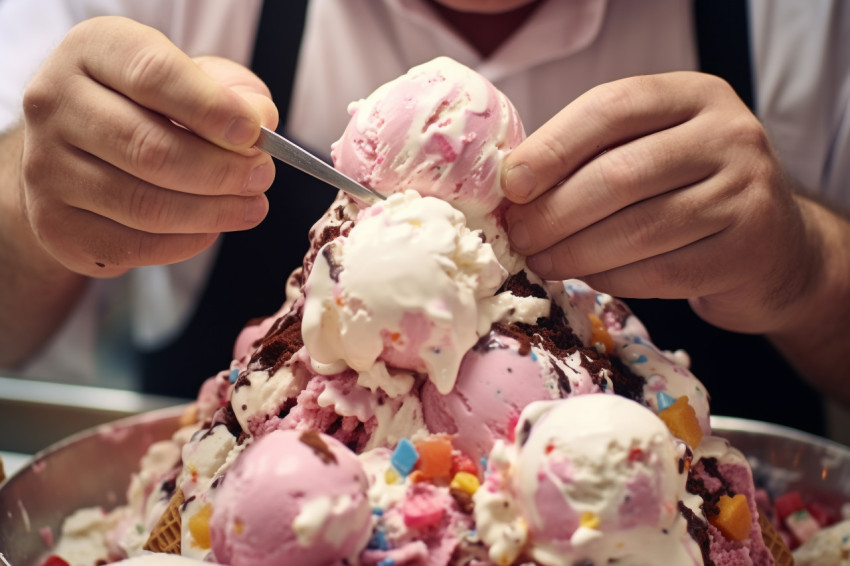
<point>641,359</point>
<point>387,562</point>
<point>377,511</point>
<point>378,541</point>
<point>664,400</point>
<point>845,539</point>
<point>234,375</point>
<point>483,462</point>
<point>599,298</point>
<point>533,356</point>
<point>404,457</point>
<point>436,350</point>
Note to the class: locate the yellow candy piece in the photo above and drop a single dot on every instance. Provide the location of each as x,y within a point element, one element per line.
<point>599,334</point>
<point>589,520</point>
<point>465,482</point>
<point>199,526</point>
<point>682,421</point>
<point>391,476</point>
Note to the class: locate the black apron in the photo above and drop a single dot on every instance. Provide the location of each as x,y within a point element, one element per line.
<point>744,374</point>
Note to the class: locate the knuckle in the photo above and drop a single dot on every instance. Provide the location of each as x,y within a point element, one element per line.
<point>617,173</point>
<point>226,175</point>
<point>148,208</point>
<point>39,100</point>
<point>748,130</point>
<point>150,69</point>
<point>149,150</point>
<point>547,223</point>
<point>639,229</point>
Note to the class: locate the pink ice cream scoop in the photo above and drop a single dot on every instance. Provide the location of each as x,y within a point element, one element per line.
<point>296,498</point>
<point>442,130</point>
<point>495,383</point>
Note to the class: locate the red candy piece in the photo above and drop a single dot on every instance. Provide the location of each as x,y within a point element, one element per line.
<point>463,463</point>
<point>788,503</point>
<point>54,560</point>
<point>421,511</point>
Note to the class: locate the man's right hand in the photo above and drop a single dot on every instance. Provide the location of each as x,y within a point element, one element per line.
<point>136,154</point>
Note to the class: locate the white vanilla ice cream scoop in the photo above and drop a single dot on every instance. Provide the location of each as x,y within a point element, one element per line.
<point>407,286</point>
<point>593,477</point>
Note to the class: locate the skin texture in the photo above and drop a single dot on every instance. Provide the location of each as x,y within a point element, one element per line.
<point>666,186</point>
<point>99,178</point>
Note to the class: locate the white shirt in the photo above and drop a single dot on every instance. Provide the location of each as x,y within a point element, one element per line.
<point>352,46</point>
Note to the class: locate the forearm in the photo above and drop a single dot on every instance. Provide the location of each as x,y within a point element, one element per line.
<point>36,291</point>
<point>816,339</point>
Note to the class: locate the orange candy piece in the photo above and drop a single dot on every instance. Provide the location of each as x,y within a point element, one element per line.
<point>734,519</point>
<point>682,421</point>
<point>599,334</point>
<point>435,458</point>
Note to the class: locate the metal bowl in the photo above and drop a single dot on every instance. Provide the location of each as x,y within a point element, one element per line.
<point>93,468</point>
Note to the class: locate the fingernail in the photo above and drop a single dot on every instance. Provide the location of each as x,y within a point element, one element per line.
<point>519,236</point>
<point>241,131</point>
<point>261,178</point>
<point>520,181</point>
<point>255,210</point>
<point>541,264</point>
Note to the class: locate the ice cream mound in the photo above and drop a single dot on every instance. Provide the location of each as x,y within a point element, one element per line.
<point>422,398</point>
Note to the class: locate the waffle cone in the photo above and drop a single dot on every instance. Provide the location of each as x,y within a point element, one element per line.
<point>775,543</point>
<point>166,535</point>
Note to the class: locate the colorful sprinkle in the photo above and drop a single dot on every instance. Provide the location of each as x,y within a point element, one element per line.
<point>435,457</point>
<point>421,511</point>
<point>378,541</point>
<point>391,476</point>
<point>465,482</point>
<point>234,375</point>
<point>641,359</point>
<point>199,526</point>
<point>404,457</point>
<point>387,562</point>
<point>589,520</point>
<point>664,400</point>
<point>599,334</point>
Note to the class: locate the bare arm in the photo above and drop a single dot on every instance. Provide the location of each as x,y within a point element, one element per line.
<point>36,291</point>
<point>130,153</point>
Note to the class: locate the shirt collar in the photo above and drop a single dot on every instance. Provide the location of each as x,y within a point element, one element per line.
<point>567,25</point>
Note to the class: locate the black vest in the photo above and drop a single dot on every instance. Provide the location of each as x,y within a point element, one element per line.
<point>744,374</point>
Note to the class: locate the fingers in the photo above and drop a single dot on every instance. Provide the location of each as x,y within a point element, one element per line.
<point>148,146</point>
<point>149,69</point>
<point>614,181</point>
<point>114,194</point>
<point>599,120</point>
<point>135,154</point>
<point>98,247</point>
<point>638,234</point>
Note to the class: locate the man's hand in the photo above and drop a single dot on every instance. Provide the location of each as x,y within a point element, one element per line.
<point>136,154</point>
<point>664,186</point>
